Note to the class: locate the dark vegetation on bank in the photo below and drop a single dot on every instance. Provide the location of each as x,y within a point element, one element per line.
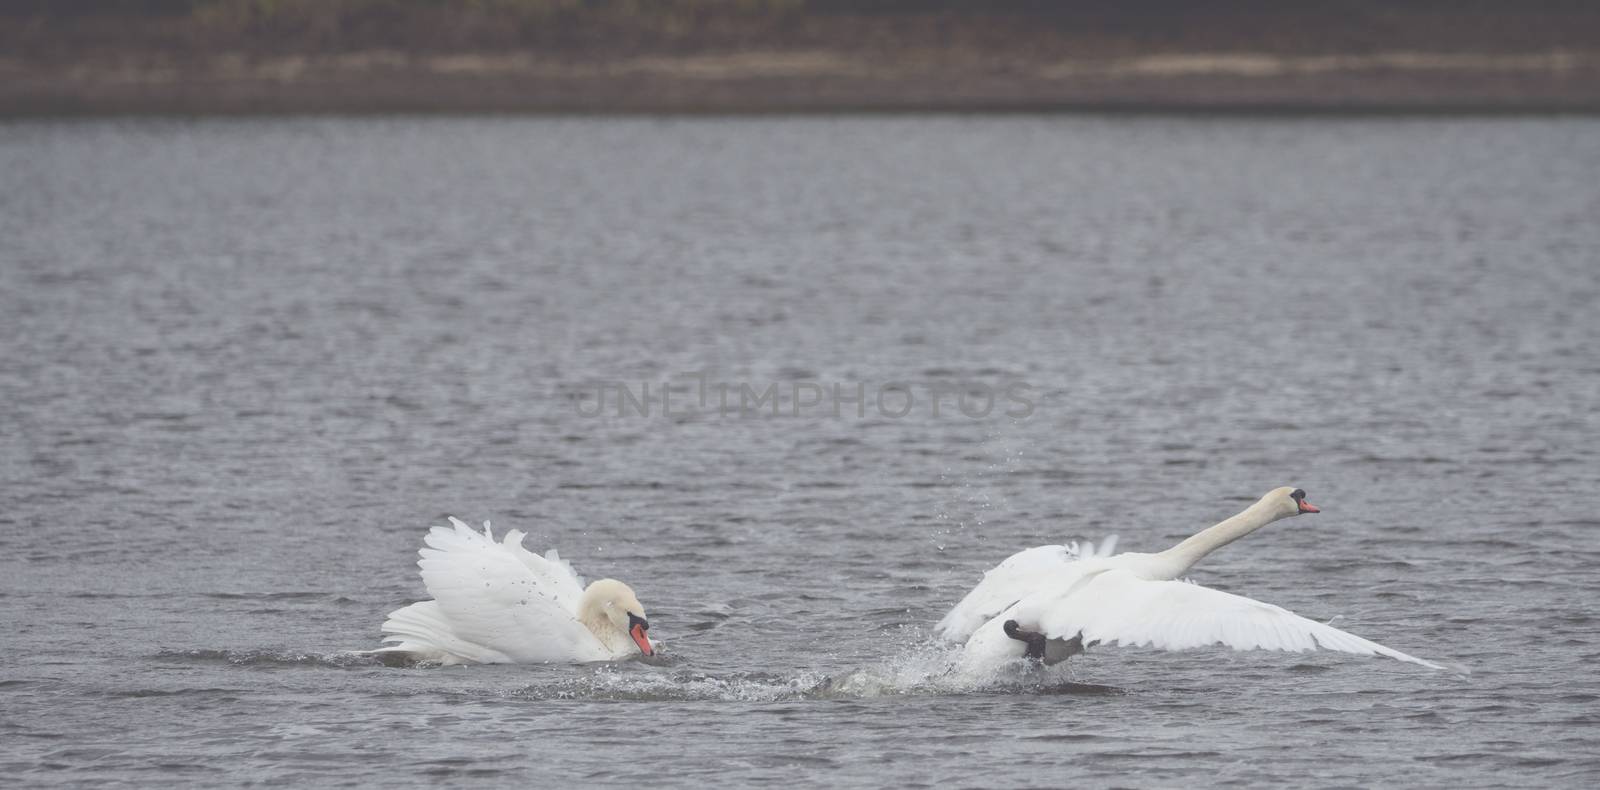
<point>608,28</point>
<point>743,55</point>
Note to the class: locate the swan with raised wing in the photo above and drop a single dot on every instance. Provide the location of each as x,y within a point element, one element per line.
<point>1051,602</point>
<point>498,603</point>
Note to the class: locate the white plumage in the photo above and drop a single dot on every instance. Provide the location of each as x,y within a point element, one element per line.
<point>1019,575</point>
<point>1080,598</point>
<point>497,602</point>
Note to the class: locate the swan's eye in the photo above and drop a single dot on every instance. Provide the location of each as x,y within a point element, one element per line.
<point>636,620</point>
<point>1299,494</point>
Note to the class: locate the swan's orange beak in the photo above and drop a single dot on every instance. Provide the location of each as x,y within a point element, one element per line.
<point>1307,507</point>
<point>636,628</point>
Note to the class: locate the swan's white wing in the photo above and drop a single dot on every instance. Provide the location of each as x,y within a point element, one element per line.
<point>424,633</point>
<point>506,598</point>
<point>555,575</point>
<point>1117,607</point>
<point>1020,575</point>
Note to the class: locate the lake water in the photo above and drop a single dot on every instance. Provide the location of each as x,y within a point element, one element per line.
<point>246,363</point>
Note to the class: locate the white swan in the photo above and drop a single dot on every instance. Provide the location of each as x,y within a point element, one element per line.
<point>1050,602</point>
<point>498,603</point>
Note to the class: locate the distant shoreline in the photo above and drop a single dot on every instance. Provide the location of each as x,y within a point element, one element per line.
<point>383,81</point>
<point>231,57</point>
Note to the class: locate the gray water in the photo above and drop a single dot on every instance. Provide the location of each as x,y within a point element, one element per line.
<point>246,363</point>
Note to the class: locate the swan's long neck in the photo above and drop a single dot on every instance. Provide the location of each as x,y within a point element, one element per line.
<point>592,616</point>
<point>603,629</point>
<point>1182,557</point>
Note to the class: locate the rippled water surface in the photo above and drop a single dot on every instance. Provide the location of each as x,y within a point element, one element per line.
<point>246,363</point>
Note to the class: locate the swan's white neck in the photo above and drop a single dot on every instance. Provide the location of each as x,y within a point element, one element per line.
<point>604,630</point>
<point>1180,558</point>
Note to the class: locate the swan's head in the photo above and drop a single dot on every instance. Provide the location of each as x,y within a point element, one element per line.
<point>1288,501</point>
<point>611,605</point>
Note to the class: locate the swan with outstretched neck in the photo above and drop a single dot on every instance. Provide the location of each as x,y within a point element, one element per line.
<point>1051,602</point>
<point>498,603</point>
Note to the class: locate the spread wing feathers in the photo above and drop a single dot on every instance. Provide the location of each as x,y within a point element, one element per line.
<point>423,632</point>
<point>554,574</point>
<point>1019,576</point>
<point>503,598</point>
<point>1116,607</point>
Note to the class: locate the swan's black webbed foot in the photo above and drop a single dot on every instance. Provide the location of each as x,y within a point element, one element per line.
<point>1033,639</point>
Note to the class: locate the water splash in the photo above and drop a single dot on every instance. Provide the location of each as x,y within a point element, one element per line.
<point>263,658</point>
<point>924,668</point>
<point>683,686</point>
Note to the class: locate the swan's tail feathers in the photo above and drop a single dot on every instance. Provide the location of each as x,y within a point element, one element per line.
<point>420,632</point>
<point>1017,577</point>
<point>1108,546</point>
<point>1087,550</point>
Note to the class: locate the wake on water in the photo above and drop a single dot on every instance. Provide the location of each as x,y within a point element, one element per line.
<point>928,669</point>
